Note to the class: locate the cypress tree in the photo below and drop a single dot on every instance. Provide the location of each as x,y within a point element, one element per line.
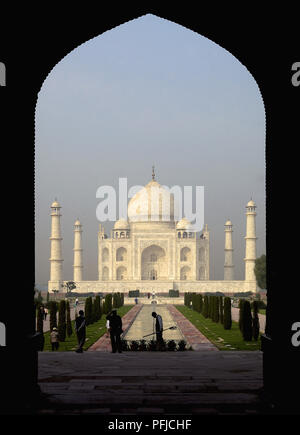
<point>40,320</point>
<point>227,313</point>
<point>200,303</point>
<point>255,322</point>
<point>241,302</point>
<point>217,308</point>
<point>194,301</point>
<point>53,315</point>
<point>221,309</point>
<point>108,302</point>
<point>48,296</point>
<point>88,309</point>
<point>247,321</point>
<point>62,326</point>
<point>69,323</point>
<point>205,306</point>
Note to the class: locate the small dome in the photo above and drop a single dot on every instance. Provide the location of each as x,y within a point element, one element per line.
<point>121,224</point>
<point>251,203</point>
<point>184,224</point>
<point>77,222</point>
<point>55,204</point>
<point>228,222</point>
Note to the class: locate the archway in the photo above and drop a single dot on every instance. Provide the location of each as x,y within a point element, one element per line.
<point>154,263</point>
<point>185,254</point>
<point>185,273</point>
<point>121,254</point>
<point>121,273</point>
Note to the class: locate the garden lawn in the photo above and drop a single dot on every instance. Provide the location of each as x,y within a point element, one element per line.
<point>93,333</point>
<point>230,339</point>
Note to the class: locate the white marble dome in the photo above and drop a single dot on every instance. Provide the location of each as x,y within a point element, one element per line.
<point>121,224</point>
<point>152,203</point>
<point>184,224</point>
<point>251,203</point>
<point>77,222</point>
<point>228,222</point>
<point>55,204</point>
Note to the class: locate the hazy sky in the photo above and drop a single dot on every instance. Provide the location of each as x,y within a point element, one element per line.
<point>148,91</point>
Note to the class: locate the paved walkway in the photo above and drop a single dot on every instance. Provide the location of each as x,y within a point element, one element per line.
<point>151,382</point>
<point>192,335</point>
<point>103,344</point>
<point>235,313</point>
<point>144,324</point>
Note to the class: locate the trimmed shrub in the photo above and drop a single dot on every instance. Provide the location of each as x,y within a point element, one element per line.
<point>88,311</point>
<point>221,309</point>
<point>142,345</point>
<point>216,309</point>
<point>108,303</point>
<point>255,321</point>
<point>53,315</point>
<point>241,302</point>
<point>247,321</point>
<point>171,346</point>
<point>40,320</point>
<point>62,325</point>
<point>134,294</point>
<point>227,313</point>
<point>134,346</point>
<point>69,323</point>
<point>181,345</point>
<point>205,307</point>
<point>152,345</point>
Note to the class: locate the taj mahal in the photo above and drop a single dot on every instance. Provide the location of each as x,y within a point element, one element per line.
<point>153,253</point>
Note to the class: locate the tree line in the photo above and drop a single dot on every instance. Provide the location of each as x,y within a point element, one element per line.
<point>218,309</point>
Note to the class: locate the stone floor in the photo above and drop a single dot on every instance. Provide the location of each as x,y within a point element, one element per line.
<point>134,383</point>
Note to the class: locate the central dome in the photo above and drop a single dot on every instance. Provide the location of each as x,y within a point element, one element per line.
<point>152,203</point>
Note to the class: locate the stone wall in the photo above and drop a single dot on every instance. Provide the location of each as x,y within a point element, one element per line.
<point>165,286</point>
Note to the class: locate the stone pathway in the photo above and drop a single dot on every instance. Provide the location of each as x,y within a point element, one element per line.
<point>144,324</point>
<point>192,335</point>
<point>137,383</point>
<point>103,344</point>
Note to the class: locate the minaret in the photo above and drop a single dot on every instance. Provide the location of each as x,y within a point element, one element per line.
<point>78,266</point>
<point>56,253</point>
<point>228,264</point>
<point>250,238</point>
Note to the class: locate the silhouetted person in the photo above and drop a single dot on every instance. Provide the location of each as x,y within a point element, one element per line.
<point>54,339</point>
<point>115,330</point>
<point>80,329</point>
<point>148,295</point>
<point>45,313</point>
<point>158,328</point>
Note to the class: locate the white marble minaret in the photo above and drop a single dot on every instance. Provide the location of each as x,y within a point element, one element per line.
<point>228,263</point>
<point>56,252</point>
<point>250,255</point>
<point>78,266</point>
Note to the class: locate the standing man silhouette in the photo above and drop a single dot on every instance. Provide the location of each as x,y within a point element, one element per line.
<point>80,329</point>
<point>158,328</point>
<point>115,330</point>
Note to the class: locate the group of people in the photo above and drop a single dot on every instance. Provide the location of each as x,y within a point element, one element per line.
<point>44,311</point>
<point>114,329</point>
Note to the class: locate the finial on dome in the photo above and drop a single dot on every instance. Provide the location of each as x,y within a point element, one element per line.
<point>153,173</point>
